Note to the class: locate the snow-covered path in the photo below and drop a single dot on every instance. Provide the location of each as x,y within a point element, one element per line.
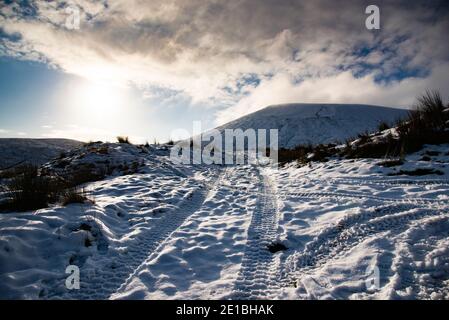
<point>108,279</point>
<point>341,229</point>
<point>203,256</point>
<point>202,232</point>
<point>259,274</point>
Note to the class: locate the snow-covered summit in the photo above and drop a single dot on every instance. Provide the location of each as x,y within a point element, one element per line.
<point>316,123</point>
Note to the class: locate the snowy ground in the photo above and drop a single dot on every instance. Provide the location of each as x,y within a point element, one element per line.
<point>202,232</point>
<point>34,151</point>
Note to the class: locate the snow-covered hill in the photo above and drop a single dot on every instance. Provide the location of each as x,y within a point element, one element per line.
<point>316,123</point>
<point>35,151</point>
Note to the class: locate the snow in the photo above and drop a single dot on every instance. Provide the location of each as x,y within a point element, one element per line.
<point>34,151</point>
<point>345,216</point>
<point>173,231</point>
<point>301,124</point>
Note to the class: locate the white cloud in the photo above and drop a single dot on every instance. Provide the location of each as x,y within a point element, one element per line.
<point>340,88</point>
<point>197,48</point>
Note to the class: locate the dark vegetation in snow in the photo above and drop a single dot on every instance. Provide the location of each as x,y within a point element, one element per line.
<point>123,139</point>
<point>417,172</point>
<point>74,195</point>
<point>391,163</point>
<point>30,190</point>
<point>28,187</point>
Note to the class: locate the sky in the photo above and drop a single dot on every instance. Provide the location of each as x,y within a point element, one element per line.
<point>92,70</point>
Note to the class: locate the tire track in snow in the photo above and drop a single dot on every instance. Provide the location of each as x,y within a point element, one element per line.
<point>108,279</point>
<point>355,196</point>
<point>388,182</point>
<point>259,274</point>
<point>361,196</point>
<point>349,232</point>
<point>422,254</point>
<point>160,245</point>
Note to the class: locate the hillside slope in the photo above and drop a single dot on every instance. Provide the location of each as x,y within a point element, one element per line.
<point>316,123</point>
<point>35,151</point>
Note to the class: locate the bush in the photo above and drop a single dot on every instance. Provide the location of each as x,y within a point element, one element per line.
<point>425,124</point>
<point>84,174</point>
<point>30,191</point>
<point>13,172</point>
<point>73,195</point>
<point>364,137</point>
<point>391,163</point>
<point>383,125</point>
<point>123,139</point>
<point>298,154</point>
<point>307,154</point>
<point>103,150</point>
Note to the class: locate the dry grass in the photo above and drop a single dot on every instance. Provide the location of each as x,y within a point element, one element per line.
<point>123,139</point>
<point>74,195</point>
<point>427,123</point>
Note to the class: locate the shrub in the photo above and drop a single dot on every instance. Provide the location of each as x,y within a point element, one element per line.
<point>364,137</point>
<point>91,143</point>
<point>298,154</point>
<point>14,171</point>
<point>425,124</point>
<point>383,125</point>
<point>84,174</point>
<point>103,150</point>
<point>307,154</point>
<point>30,191</point>
<point>430,109</point>
<point>391,163</point>
<point>73,195</point>
<point>123,139</point>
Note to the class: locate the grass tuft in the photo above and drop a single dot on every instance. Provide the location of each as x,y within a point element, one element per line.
<point>123,139</point>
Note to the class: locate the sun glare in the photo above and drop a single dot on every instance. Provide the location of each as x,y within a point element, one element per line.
<point>99,99</point>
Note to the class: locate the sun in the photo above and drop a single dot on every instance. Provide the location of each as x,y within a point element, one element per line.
<point>99,99</point>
